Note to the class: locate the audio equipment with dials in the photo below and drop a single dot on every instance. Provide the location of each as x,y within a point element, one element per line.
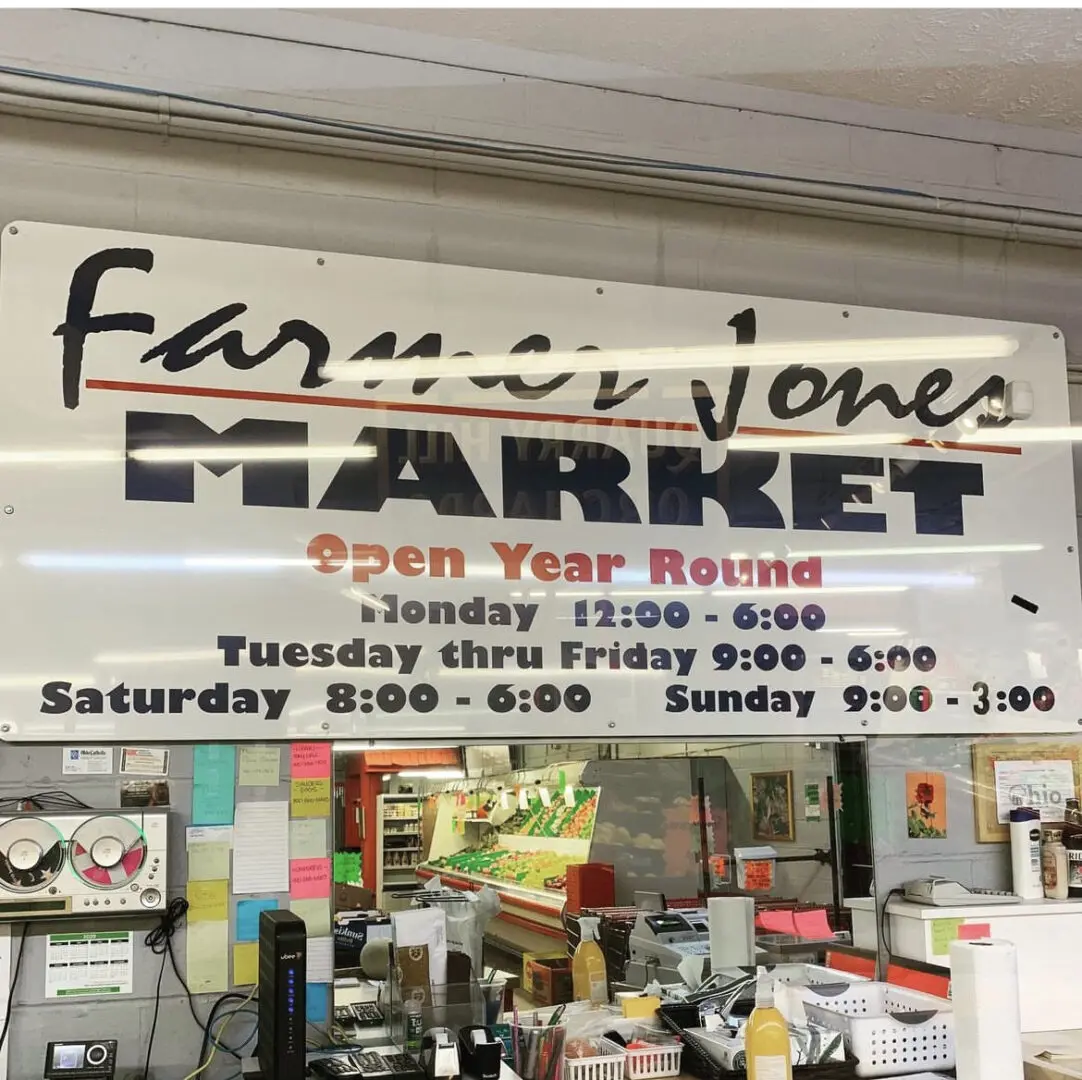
<point>83,862</point>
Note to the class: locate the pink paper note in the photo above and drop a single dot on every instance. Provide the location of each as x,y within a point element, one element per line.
<point>776,922</point>
<point>974,931</point>
<point>309,879</point>
<point>310,761</point>
<point>812,925</point>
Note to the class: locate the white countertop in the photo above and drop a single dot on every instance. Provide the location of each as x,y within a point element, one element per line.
<point>903,909</point>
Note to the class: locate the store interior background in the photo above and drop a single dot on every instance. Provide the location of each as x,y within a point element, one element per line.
<point>873,776</point>
<point>646,825</point>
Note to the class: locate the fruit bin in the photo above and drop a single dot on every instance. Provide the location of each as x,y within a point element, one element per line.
<point>889,1030</point>
<point>607,1064</point>
<point>660,1058</point>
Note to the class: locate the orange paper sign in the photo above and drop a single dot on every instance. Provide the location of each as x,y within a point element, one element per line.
<point>759,875</point>
<point>310,761</point>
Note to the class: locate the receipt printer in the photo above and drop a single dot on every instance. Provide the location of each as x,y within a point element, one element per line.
<point>661,940</point>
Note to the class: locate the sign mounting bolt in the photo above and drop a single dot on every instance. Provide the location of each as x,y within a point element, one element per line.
<point>5,728</point>
<point>14,230</point>
<point>321,262</point>
<point>325,726</point>
<point>864,722</point>
<point>612,723</point>
<point>9,509</point>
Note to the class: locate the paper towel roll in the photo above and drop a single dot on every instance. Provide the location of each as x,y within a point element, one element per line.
<point>732,931</point>
<point>987,1020</point>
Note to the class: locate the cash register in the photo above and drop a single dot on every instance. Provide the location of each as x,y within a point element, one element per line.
<point>660,940</point>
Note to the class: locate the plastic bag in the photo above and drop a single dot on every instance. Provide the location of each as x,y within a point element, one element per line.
<point>466,922</point>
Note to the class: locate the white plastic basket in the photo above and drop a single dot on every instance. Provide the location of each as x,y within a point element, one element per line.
<point>607,1064</point>
<point>812,975</point>
<point>660,1058</point>
<point>889,1030</point>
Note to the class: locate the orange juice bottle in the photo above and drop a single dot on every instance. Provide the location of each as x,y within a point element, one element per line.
<point>588,976</point>
<point>766,1036</point>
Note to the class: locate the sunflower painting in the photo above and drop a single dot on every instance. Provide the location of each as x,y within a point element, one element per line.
<point>926,805</point>
<point>772,806</point>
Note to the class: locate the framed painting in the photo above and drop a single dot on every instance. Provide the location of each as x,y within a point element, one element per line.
<point>772,806</point>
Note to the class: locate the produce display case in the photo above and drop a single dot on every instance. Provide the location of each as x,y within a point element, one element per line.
<point>522,853</point>
<point>641,817</point>
<point>515,851</point>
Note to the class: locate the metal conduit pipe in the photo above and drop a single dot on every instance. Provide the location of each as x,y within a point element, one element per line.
<point>58,98</point>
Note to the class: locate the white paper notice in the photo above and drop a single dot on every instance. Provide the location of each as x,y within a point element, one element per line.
<point>144,761</point>
<point>1043,785</point>
<point>80,965</point>
<point>87,760</point>
<point>320,960</point>
<point>308,838</point>
<point>209,834</point>
<point>261,847</point>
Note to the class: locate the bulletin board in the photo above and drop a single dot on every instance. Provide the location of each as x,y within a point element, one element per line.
<point>985,756</point>
<point>209,791</point>
<point>260,839</point>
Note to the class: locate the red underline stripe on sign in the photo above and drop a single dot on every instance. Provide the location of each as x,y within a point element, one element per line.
<point>430,409</point>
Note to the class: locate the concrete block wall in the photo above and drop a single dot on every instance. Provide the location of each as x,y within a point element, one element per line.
<point>36,1021</point>
<point>898,858</point>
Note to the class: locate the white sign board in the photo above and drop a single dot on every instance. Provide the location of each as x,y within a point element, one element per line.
<point>253,493</point>
<point>1043,785</point>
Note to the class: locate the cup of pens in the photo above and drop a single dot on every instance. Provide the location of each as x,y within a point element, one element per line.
<point>539,1051</point>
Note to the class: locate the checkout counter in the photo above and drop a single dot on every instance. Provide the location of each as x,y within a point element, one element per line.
<point>660,941</point>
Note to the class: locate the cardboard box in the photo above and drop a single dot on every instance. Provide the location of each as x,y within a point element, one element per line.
<point>353,898</point>
<point>546,977</point>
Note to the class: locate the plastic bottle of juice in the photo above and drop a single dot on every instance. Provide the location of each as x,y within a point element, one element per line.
<point>766,1036</point>
<point>588,975</point>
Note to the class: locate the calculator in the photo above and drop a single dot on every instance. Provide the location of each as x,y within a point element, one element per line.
<point>371,1064</point>
<point>366,1014</point>
<point>403,1066</point>
<point>337,1067</point>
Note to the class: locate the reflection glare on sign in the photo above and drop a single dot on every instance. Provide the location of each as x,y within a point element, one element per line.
<point>777,354</point>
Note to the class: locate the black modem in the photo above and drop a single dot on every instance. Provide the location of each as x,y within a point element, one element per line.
<point>283,947</point>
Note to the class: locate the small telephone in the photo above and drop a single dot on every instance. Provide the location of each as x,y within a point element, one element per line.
<point>942,892</point>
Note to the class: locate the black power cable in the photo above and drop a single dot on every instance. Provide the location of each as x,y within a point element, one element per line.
<point>14,985</point>
<point>160,942</point>
<point>884,938</point>
<point>208,1030</point>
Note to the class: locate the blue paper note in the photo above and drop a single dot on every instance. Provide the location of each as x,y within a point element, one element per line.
<point>315,1000</point>
<point>214,772</point>
<point>248,917</point>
